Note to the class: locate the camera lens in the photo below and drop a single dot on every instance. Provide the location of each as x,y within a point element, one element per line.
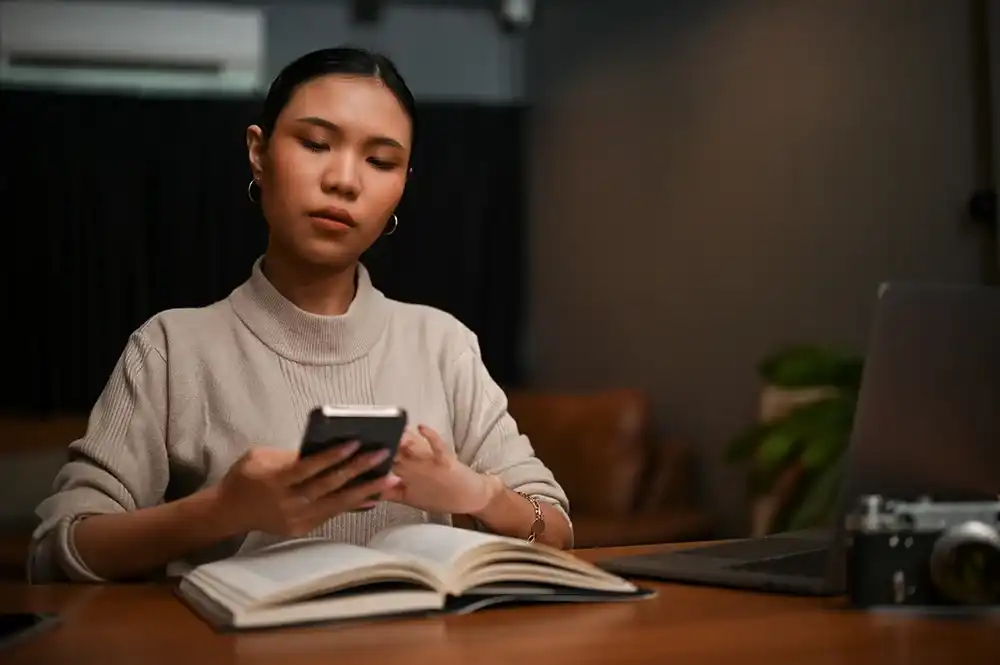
<point>976,568</point>
<point>965,564</point>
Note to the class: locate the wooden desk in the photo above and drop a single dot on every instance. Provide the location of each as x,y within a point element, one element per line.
<point>146,625</point>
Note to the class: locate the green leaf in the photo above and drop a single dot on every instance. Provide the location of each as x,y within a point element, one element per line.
<point>802,366</point>
<point>782,440</point>
<point>775,449</point>
<point>823,449</point>
<point>819,500</point>
<point>814,435</point>
<point>830,433</point>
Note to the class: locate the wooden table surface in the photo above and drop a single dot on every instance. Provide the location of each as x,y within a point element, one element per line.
<point>147,625</point>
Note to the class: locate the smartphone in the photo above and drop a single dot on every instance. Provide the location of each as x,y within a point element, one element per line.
<point>16,627</point>
<point>374,427</point>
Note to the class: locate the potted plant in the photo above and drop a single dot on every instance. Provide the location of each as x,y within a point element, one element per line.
<point>793,452</point>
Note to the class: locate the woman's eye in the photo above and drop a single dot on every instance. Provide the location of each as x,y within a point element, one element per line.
<point>312,145</point>
<point>381,164</point>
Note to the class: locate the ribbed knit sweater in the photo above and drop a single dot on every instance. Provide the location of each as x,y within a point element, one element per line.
<point>196,388</point>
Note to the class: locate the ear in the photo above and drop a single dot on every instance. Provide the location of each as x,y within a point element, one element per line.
<point>255,150</point>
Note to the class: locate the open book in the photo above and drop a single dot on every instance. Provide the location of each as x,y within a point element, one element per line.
<point>417,568</point>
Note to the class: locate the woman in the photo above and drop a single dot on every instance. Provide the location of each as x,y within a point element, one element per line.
<point>191,450</point>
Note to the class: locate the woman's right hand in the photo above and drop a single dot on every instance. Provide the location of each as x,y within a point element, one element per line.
<point>277,492</point>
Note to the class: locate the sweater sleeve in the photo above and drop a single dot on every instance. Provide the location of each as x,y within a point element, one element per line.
<point>486,436</point>
<point>119,465</point>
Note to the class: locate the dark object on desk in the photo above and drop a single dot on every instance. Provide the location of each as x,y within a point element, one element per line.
<point>923,553</point>
<point>927,424</point>
<point>15,627</point>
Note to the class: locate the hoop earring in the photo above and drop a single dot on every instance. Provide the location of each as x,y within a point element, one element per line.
<point>250,191</point>
<point>395,225</point>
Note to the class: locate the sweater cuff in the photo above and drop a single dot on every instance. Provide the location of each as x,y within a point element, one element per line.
<point>562,511</point>
<point>65,551</point>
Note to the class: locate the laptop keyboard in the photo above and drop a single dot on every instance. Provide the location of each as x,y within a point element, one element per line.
<point>756,548</point>
<point>800,564</point>
<point>776,556</point>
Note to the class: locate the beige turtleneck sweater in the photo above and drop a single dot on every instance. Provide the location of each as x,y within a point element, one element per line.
<point>195,388</point>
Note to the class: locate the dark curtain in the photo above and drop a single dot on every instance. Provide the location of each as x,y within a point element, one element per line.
<point>117,207</point>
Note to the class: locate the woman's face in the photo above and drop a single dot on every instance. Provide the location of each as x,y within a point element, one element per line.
<point>334,168</point>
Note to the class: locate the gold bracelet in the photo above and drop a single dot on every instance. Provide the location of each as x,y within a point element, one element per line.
<point>538,525</point>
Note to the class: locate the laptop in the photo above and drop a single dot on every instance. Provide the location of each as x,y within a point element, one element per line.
<point>927,424</point>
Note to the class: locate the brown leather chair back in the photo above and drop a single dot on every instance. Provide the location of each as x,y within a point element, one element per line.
<point>594,443</point>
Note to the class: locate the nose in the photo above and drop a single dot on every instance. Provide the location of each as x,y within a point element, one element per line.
<point>342,175</point>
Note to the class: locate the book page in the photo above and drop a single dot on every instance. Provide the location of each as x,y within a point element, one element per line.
<point>470,558</point>
<point>435,543</point>
<point>294,568</point>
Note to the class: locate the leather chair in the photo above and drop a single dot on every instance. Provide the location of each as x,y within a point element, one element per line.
<point>625,486</point>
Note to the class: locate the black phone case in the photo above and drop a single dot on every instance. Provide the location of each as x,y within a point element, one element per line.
<point>17,627</point>
<point>373,432</point>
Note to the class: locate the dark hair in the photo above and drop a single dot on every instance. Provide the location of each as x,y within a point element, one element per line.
<point>339,60</point>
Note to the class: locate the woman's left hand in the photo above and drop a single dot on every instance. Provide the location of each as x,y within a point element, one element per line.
<point>433,478</point>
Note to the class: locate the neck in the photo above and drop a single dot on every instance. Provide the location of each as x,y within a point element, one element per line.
<point>306,337</point>
<point>315,289</point>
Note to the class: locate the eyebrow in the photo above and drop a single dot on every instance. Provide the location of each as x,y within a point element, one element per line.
<point>374,140</point>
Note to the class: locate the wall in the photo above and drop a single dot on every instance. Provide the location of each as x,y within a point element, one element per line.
<point>711,179</point>
<point>443,52</point>
<point>447,50</point>
<point>993,44</point>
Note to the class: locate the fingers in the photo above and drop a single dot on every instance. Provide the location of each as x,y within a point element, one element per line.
<point>304,513</point>
<point>313,465</point>
<point>425,443</point>
<point>353,497</point>
<point>414,446</point>
<point>438,446</point>
<point>319,486</point>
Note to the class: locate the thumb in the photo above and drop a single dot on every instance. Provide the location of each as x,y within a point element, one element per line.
<point>394,490</point>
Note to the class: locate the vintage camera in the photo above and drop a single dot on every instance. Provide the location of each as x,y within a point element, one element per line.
<point>923,553</point>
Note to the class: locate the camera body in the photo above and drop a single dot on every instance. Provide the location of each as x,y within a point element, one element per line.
<point>923,553</point>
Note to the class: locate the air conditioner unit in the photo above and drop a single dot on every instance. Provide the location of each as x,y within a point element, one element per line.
<point>136,47</point>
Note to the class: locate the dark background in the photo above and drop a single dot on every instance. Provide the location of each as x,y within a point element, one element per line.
<point>125,206</point>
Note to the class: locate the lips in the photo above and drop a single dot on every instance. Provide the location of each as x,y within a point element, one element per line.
<point>331,214</point>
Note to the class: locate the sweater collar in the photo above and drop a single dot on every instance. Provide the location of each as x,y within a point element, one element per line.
<point>308,338</point>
